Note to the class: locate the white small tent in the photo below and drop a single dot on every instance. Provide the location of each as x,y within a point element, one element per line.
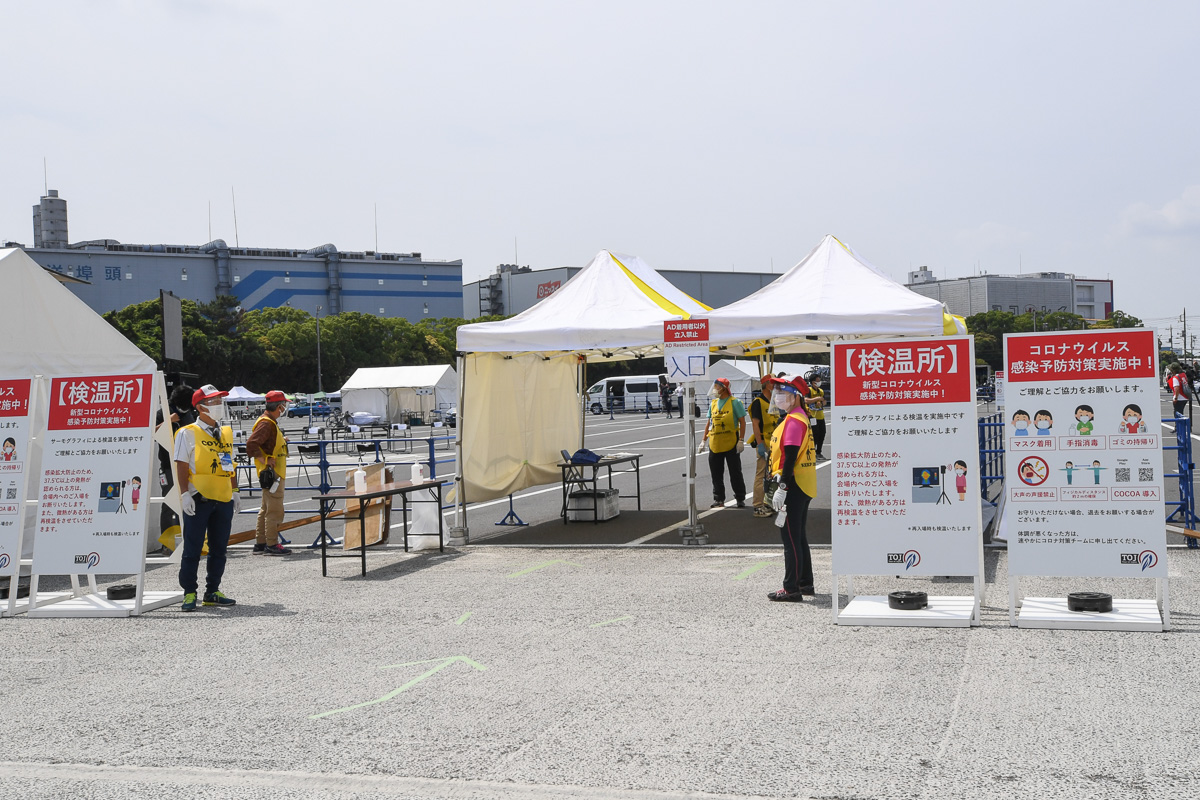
<point>744,374</point>
<point>240,394</point>
<point>393,393</point>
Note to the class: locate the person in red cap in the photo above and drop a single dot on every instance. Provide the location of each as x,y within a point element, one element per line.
<point>268,447</point>
<point>209,495</point>
<point>762,423</point>
<point>794,462</point>
<point>727,426</point>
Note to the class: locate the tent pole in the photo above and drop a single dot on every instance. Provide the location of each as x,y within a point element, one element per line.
<point>459,535</point>
<point>693,532</point>
<point>583,409</point>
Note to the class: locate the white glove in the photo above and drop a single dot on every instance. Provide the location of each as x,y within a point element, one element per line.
<point>237,503</point>
<point>779,499</point>
<point>187,504</point>
<point>740,446</point>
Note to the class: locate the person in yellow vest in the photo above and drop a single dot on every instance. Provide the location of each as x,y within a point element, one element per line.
<point>268,447</point>
<point>725,433</point>
<point>762,423</point>
<point>208,481</point>
<point>816,410</point>
<point>793,461</point>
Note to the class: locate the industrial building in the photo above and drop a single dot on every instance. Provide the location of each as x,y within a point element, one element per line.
<point>1037,291</point>
<point>512,289</point>
<point>323,279</point>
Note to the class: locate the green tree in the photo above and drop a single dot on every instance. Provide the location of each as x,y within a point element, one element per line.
<point>1119,319</point>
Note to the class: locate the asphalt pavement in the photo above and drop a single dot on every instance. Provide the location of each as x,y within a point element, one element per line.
<point>568,667</point>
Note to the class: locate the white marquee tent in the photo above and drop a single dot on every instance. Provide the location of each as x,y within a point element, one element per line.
<point>49,331</point>
<point>523,377</point>
<point>833,293</point>
<point>391,393</point>
<point>240,394</point>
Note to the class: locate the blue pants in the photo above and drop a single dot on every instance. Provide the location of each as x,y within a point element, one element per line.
<point>212,518</point>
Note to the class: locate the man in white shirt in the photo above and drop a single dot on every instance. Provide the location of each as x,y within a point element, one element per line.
<point>208,481</point>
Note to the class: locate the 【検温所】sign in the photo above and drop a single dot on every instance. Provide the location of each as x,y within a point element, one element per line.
<point>905,458</point>
<point>95,483</point>
<point>1083,454</point>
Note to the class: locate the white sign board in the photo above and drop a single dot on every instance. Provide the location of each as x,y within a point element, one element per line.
<point>14,455</point>
<point>906,458</point>
<point>1083,454</point>
<point>96,464</point>
<point>685,349</point>
<point>998,382</point>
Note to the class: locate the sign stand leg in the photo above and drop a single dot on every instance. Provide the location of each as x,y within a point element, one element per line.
<point>1164,601</point>
<point>835,599</point>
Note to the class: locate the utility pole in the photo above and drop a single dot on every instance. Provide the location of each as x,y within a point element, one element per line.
<point>1185,339</point>
<point>1170,337</point>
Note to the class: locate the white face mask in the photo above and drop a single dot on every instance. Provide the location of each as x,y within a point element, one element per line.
<point>714,391</point>
<point>1021,424</point>
<point>216,411</point>
<point>781,402</point>
<point>1132,420</point>
<point>1043,424</point>
<point>1084,418</point>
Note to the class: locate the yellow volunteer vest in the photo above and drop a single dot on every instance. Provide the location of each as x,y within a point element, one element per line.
<point>210,478</point>
<point>722,430</point>
<point>805,471</point>
<point>279,454</point>
<point>769,421</point>
<point>818,413</point>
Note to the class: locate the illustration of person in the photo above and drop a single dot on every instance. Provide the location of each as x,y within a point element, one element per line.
<point>135,492</point>
<point>1095,468</point>
<point>10,449</point>
<point>1083,421</point>
<point>960,479</point>
<point>1131,419</point>
<point>1043,421</point>
<point>215,463</point>
<point>1070,470</point>
<point>1028,474</point>
<point>1020,422</point>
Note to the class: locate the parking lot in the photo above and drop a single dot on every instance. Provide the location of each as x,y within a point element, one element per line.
<point>545,662</point>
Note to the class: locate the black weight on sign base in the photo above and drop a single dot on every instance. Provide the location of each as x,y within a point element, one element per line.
<point>1089,601</point>
<point>122,591</point>
<point>908,601</point>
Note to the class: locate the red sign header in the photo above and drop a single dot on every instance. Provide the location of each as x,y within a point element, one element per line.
<point>903,373</point>
<point>108,401</point>
<point>14,398</point>
<point>1080,355</point>
<point>685,331</point>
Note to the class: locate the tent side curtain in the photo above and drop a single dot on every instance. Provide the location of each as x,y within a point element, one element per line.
<point>517,414</point>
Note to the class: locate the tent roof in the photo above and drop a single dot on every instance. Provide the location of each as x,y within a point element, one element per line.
<point>48,330</point>
<point>616,304</point>
<point>729,367</point>
<point>833,293</point>
<point>399,377</point>
<point>242,393</point>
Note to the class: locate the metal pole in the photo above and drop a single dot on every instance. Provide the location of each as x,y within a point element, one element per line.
<point>459,535</point>
<point>319,389</point>
<point>693,532</point>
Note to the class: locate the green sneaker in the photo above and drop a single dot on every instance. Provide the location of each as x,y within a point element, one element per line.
<point>189,602</point>
<point>218,599</point>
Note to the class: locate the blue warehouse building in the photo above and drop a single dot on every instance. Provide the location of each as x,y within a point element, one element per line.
<point>321,279</point>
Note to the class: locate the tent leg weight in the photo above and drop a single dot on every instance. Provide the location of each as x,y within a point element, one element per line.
<point>693,535</point>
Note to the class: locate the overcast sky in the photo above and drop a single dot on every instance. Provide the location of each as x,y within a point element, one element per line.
<point>1037,136</point>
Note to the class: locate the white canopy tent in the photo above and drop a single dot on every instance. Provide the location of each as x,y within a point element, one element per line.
<point>393,393</point>
<point>744,374</point>
<point>523,377</point>
<point>49,331</point>
<point>240,394</point>
<point>832,294</point>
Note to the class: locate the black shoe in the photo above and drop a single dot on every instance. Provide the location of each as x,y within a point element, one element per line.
<point>784,596</point>
<point>218,599</point>
<point>277,550</point>
<point>811,591</point>
<point>718,504</point>
<point>259,549</point>
<point>741,503</point>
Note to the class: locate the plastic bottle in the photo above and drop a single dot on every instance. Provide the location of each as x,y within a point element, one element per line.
<point>418,473</point>
<point>360,481</point>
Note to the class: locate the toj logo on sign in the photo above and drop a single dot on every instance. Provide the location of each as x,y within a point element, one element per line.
<point>909,558</point>
<point>1147,558</point>
<point>4,560</point>
<point>91,559</point>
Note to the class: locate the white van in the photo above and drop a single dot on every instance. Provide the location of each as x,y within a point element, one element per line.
<point>626,393</point>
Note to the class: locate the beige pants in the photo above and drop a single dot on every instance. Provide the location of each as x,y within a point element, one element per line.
<point>760,479</point>
<point>270,515</point>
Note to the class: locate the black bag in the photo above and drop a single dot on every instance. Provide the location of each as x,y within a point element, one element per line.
<point>267,478</point>
<point>585,456</point>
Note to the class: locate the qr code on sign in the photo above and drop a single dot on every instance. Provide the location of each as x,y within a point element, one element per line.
<point>11,493</point>
<point>1145,473</point>
<point>1122,474</point>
